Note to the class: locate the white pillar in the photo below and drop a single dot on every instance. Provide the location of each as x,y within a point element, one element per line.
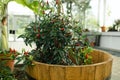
<point>98,16</point>
<point>104,12</point>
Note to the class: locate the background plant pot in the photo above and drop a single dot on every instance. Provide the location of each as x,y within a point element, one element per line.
<point>9,62</point>
<point>103,29</point>
<point>99,70</point>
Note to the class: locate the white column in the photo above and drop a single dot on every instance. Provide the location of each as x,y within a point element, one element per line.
<point>98,16</point>
<point>104,12</point>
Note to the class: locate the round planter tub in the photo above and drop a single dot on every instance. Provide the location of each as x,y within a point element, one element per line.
<point>99,70</point>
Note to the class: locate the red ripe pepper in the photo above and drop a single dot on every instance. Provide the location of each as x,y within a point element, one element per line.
<point>86,56</point>
<point>62,29</point>
<point>11,50</point>
<point>77,44</point>
<point>26,53</point>
<point>38,35</point>
<point>57,1</point>
<point>14,51</point>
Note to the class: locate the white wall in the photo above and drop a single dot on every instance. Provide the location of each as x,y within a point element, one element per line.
<point>19,45</point>
<point>110,40</point>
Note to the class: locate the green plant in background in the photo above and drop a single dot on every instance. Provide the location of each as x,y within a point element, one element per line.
<point>3,7</point>
<point>56,39</point>
<point>37,6</point>
<point>115,26</point>
<point>8,54</point>
<point>5,72</point>
<point>25,57</point>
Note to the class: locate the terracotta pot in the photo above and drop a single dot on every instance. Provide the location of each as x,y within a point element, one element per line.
<point>103,28</point>
<point>9,62</point>
<point>99,70</point>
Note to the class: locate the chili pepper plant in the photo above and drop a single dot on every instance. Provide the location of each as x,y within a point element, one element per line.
<point>57,39</point>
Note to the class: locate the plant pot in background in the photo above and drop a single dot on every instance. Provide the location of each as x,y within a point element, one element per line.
<point>8,61</point>
<point>103,29</point>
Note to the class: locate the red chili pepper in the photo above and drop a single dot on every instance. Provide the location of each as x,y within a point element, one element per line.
<point>57,1</point>
<point>26,53</point>
<point>38,35</point>
<point>86,56</point>
<point>11,50</point>
<point>77,44</point>
<point>14,51</point>
<point>62,29</point>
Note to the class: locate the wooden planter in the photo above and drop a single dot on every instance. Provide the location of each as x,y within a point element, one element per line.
<point>100,70</point>
<point>9,62</point>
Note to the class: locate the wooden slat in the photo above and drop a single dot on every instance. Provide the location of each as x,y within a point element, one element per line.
<point>100,72</point>
<point>43,72</point>
<point>57,73</point>
<point>73,73</point>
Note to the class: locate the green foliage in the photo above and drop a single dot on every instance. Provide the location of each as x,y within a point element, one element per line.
<point>26,58</point>
<point>8,54</point>
<point>32,4</point>
<point>51,34</point>
<point>37,6</point>
<point>3,7</point>
<point>5,72</point>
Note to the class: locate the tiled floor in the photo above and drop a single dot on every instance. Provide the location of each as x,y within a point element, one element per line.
<point>116,63</point>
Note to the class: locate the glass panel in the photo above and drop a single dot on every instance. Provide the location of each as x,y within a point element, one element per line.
<point>17,23</point>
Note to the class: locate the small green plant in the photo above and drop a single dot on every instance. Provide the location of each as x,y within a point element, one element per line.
<point>8,54</point>
<point>115,26</point>
<point>5,70</point>
<point>26,59</point>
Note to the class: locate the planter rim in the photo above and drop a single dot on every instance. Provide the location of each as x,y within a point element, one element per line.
<point>94,64</point>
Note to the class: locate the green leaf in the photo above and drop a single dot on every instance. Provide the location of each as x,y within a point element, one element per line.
<point>22,2</point>
<point>35,4</point>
